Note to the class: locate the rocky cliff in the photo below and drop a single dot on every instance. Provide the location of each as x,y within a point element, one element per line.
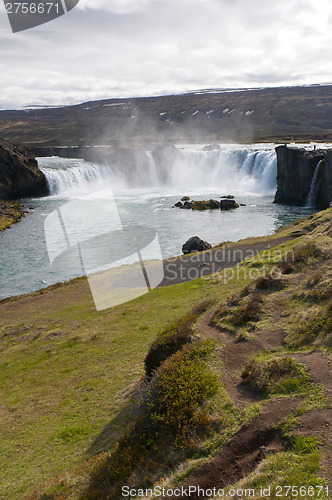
<point>20,176</point>
<point>303,174</point>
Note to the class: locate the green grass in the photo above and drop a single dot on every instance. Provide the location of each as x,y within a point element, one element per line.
<point>170,418</point>
<point>276,375</point>
<point>68,372</point>
<point>68,366</point>
<point>173,338</point>
<point>289,468</point>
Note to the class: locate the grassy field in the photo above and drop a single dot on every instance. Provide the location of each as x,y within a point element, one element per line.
<point>67,372</point>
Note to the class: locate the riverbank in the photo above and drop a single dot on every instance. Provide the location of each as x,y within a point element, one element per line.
<point>10,213</point>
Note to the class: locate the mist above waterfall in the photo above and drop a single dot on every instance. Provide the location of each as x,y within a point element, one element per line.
<point>227,169</point>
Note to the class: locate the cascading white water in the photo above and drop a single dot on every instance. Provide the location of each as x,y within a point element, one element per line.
<point>73,177</point>
<point>313,187</point>
<point>227,170</point>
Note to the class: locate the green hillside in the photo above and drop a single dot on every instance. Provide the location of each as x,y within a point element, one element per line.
<point>238,372</point>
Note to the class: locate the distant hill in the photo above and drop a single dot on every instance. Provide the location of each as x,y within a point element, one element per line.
<point>248,115</point>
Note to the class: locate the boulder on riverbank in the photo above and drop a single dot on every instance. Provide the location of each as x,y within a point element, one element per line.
<point>20,176</point>
<point>195,244</point>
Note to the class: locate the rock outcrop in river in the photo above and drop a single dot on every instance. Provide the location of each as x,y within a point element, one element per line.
<point>304,177</point>
<point>20,176</point>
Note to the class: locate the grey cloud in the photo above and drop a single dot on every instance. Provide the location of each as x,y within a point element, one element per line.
<point>105,49</point>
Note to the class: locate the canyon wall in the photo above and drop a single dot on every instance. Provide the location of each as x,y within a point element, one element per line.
<point>296,179</point>
<point>20,176</point>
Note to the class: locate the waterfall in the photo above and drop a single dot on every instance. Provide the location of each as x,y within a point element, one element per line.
<point>74,177</point>
<point>228,170</point>
<point>311,199</point>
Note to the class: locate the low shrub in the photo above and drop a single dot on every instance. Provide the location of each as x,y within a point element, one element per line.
<point>177,391</point>
<point>315,330</point>
<point>269,282</point>
<point>304,253</point>
<point>173,338</point>
<point>247,310</point>
<point>320,290</point>
<point>239,311</point>
<point>277,375</point>
<point>171,418</point>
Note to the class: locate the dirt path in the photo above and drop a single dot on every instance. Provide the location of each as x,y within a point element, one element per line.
<point>235,354</point>
<point>254,440</point>
<point>188,267</point>
<point>250,444</point>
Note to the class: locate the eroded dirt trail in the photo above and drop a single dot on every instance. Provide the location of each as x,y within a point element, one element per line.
<point>254,440</point>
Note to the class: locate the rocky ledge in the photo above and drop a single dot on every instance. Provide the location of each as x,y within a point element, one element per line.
<point>20,176</point>
<point>10,213</point>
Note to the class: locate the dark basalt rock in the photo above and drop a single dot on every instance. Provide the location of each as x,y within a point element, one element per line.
<point>197,205</point>
<point>178,205</point>
<point>295,172</point>
<point>228,204</point>
<point>205,205</point>
<point>214,204</point>
<point>224,204</point>
<point>195,244</point>
<point>228,197</point>
<point>20,176</point>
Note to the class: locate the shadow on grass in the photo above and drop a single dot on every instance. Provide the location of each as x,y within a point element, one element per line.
<point>113,431</point>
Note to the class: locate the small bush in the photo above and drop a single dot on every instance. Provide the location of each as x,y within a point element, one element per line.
<point>269,282</point>
<point>287,267</point>
<point>307,252</point>
<point>239,311</point>
<point>243,337</point>
<point>321,290</point>
<point>304,253</point>
<point>314,279</point>
<point>173,338</point>
<point>248,310</point>
<point>277,375</point>
<point>315,330</point>
<point>178,389</point>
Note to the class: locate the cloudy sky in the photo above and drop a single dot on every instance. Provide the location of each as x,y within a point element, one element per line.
<point>125,48</point>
